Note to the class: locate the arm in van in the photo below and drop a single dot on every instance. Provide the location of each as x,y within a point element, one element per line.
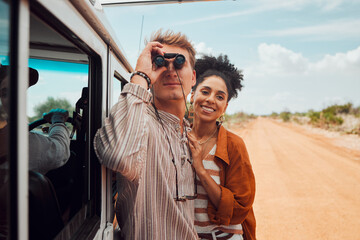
<point>121,144</point>
<point>47,153</point>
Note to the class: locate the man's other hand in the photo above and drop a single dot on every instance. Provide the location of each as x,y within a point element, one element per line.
<point>56,116</point>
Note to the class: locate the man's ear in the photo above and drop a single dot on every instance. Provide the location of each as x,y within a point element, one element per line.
<point>192,97</point>
<point>193,78</point>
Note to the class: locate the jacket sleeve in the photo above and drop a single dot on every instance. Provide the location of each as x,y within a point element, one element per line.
<point>51,152</point>
<point>121,143</point>
<point>238,192</point>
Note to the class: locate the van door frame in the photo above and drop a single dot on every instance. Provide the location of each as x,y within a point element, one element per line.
<point>18,137</point>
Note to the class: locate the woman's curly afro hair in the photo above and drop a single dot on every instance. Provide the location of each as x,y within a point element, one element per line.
<point>211,66</point>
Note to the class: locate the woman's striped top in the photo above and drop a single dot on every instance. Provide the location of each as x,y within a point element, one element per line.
<point>202,221</point>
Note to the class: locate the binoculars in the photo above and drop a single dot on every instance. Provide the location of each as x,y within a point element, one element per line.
<point>179,60</point>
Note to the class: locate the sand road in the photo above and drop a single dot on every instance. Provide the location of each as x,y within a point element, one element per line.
<point>306,187</point>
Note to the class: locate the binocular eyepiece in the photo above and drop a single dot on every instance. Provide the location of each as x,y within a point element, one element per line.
<point>179,60</point>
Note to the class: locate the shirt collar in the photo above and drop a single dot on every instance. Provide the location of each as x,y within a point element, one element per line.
<point>221,150</point>
<point>166,117</point>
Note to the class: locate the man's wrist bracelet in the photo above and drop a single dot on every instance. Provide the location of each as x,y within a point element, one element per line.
<point>142,75</point>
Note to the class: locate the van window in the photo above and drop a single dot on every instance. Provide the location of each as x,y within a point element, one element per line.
<point>65,165</point>
<point>59,86</point>
<point>116,90</point>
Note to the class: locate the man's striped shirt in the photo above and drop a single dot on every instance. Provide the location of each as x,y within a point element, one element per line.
<point>133,143</point>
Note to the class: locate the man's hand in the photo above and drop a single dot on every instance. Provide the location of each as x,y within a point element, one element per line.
<point>145,64</point>
<point>56,116</point>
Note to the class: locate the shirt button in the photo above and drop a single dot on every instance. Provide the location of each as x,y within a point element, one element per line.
<point>183,158</point>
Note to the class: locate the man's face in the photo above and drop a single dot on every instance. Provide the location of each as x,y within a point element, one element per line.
<point>167,87</point>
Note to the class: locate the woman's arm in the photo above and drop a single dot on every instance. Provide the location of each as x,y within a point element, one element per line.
<point>238,192</point>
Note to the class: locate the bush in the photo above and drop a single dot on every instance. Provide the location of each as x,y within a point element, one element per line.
<point>355,111</point>
<point>285,116</point>
<point>314,116</point>
<point>330,118</point>
<point>274,115</point>
<point>337,109</point>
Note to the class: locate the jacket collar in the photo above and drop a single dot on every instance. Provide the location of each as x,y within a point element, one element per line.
<point>221,149</point>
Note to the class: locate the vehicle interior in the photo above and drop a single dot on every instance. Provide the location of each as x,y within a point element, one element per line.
<point>64,199</point>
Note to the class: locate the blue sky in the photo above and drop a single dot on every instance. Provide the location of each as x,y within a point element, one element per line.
<point>296,55</point>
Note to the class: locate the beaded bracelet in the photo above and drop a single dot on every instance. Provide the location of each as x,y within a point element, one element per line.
<point>142,75</point>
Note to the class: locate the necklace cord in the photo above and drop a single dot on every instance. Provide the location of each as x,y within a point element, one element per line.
<point>173,157</point>
<point>188,143</point>
<point>201,143</point>
<point>168,140</point>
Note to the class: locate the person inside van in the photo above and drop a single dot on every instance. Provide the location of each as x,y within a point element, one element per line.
<point>45,152</point>
<point>144,139</point>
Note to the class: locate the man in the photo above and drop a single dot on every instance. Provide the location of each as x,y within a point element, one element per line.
<point>45,153</point>
<point>144,140</point>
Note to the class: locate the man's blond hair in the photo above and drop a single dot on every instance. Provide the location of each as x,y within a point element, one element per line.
<point>175,39</point>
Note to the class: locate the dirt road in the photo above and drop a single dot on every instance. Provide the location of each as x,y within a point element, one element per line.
<point>307,187</point>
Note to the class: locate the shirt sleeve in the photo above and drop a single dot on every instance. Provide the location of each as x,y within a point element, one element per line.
<point>238,192</point>
<point>121,143</point>
<point>49,152</point>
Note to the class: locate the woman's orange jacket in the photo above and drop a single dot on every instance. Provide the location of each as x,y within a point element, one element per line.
<point>237,184</point>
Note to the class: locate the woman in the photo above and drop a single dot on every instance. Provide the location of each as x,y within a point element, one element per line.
<point>226,184</point>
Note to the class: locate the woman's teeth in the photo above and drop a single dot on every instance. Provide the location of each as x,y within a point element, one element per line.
<point>208,109</point>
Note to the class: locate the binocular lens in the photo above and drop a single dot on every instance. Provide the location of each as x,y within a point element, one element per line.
<point>159,61</point>
<point>179,60</point>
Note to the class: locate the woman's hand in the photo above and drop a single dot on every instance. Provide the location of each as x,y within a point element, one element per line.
<point>196,152</point>
<point>212,189</point>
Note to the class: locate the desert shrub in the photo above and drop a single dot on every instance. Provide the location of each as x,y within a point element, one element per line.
<point>274,115</point>
<point>336,109</point>
<point>314,116</point>
<point>331,118</point>
<point>355,111</point>
<point>285,116</point>
<point>297,120</point>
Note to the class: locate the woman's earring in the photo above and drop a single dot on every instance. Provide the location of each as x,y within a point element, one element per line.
<point>191,113</point>
<point>221,119</point>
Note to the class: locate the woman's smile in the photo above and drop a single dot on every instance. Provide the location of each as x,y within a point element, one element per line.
<point>207,109</point>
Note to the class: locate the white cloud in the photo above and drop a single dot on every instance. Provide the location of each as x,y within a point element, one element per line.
<point>270,5</point>
<point>334,30</point>
<point>201,48</point>
<point>340,61</point>
<point>275,59</point>
<point>283,79</point>
<point>325,5</point>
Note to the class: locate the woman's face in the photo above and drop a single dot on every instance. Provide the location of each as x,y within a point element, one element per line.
<point>210,99</point>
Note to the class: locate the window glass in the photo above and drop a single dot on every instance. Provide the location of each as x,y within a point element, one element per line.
<point>59,85</point>
<point>4,170</point>
<point>58,156</point>
<point>116,89</point>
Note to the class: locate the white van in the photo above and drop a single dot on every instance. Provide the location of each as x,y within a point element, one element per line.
<point>71,45</point>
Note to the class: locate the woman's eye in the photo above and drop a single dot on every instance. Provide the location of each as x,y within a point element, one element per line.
<point>204,92</point>
<point>220,97</point>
